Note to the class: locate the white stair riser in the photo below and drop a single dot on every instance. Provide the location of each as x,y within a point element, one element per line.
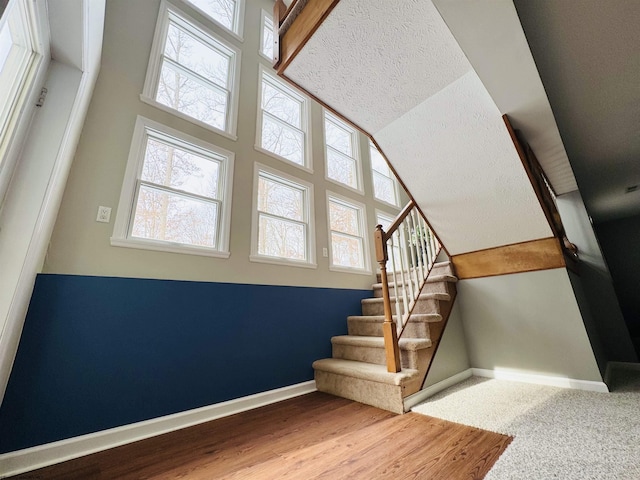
<point>424,305</point>
<point>374,329</point>
<point>408,358</point>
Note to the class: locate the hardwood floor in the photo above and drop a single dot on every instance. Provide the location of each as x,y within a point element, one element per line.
<point>315,436</point>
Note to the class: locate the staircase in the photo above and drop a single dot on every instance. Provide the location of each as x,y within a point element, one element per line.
<point>358,368</point>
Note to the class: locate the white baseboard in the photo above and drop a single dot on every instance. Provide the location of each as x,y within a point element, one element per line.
<point>562,382</point>
<point>40,456</point>
<point>419,397</point>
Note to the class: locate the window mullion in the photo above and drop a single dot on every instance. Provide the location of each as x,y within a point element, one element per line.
<point>196,77</point>
<point>278,217</point>
<point>178,192</point>
<point>348,157</point>
<point>282,122</point>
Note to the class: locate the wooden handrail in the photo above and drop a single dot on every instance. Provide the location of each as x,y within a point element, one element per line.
<point>416,252</point>
<point>399,219</point>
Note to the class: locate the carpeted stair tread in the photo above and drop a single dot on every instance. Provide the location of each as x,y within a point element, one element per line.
<point>378,342</point>
<point>416,317</point>
<point>430,279</point>
<point>423,296</point>
<point>364,371</point>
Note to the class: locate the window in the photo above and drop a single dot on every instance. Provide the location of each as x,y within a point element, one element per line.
<point>176,195</point>
<point>385,186</point>
<point>341,152</point>
<point>348,234</point>
<point>282,219</point>
<point>282,121</point>
<point>23,45</point>
<point>192,72</point>
<point>266,36</point>
<point>227,13</point>
<point>393,253</point>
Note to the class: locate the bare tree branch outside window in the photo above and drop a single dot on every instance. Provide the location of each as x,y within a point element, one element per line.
<point>195,78</point>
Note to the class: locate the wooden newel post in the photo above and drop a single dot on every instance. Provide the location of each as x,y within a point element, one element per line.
<point>389,326</point>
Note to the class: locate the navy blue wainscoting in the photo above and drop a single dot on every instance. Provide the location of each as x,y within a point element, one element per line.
<point>101,352</point>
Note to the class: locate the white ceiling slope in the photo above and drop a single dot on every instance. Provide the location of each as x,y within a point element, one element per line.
<point>471,181</point>
<point>491,36</point>
<point>395,69</point>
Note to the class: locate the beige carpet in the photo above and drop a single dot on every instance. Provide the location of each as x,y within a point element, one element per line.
<point>559,433</point>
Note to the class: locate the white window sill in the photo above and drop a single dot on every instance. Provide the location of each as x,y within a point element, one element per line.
<point>344,185</point>
<point>167,247</point>
<point>357,271</point>
<point>384,202</point>
<point>282,159</point>
<point>280,261</point>
<point>195,121</point>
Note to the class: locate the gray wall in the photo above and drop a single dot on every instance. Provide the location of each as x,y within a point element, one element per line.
<point>526,323</point>
<point>80,245</point>
<point>619,240</point>
<point>451,357</point>
<point>594,287</point>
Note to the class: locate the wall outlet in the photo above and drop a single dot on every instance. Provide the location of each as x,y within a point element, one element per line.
<point>325,252</point>
<point>104,214</point>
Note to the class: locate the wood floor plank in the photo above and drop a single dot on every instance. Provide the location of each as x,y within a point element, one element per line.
<point>312,437</point>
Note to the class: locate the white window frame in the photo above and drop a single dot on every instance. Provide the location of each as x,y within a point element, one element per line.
<point>396,187</point>
<point>355,145</point>
<point>237,28</point>
<point>264,17</point>
<point>305,119</point>
<point>26,74</point>
<point>128,196</point>
<point>170,13</point>
<point>362,219</point>
<point>310,262</point>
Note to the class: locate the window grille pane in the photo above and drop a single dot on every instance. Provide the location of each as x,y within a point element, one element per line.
<point>196,56</point>
<point>169,217</point>
<point>282,140</point>
<point>384,188</point>
<point>222,11</point>
<point>172,167</point>
<point>281,200</point>
<point>267,38</point>
<point>281,105</point>
<point>182,93</point>
<point>347,251</point>
<point>344,219</point>
<point>338,138</point>
<point>341,169</point>
<point>281,238</point>
<point>378,162</point>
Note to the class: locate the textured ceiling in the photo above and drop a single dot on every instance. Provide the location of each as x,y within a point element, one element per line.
<point>588,56</point>
<point>357,63</point>
<point>395,69</point>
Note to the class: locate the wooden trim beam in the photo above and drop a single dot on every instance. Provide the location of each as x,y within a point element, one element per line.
<point>529,256</point>
<point>301,30</point>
